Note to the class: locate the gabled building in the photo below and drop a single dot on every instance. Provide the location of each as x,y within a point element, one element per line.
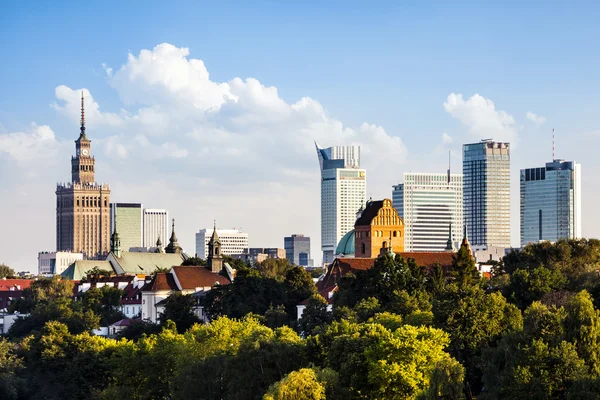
<point>378,226</point>
<point>194,280</point>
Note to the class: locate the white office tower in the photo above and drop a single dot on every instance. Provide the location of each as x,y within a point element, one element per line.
<point>486,175</point>
<point>551,202</point>
<point>343,194</point>
<point>156,225</point>
<point>429,204</point>
<point>233,241</point>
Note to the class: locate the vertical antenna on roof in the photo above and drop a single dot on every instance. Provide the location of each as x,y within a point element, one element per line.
<point>448,167</point>
<point>552,144</point>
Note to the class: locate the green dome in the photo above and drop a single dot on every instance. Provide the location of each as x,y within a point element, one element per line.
<point>346,245</point>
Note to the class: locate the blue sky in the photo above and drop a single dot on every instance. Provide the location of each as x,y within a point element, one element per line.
<point>390,64</point>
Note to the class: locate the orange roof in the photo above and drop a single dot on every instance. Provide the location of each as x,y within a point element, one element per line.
<point>15,284</point>
<point>191,277</point>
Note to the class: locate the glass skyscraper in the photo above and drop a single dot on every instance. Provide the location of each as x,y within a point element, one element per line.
<point>297,249</point>
<point>343,193</point>
<point>429,203</point>
<point>551,202</point>
<point>486,174</point>
<point>126,218</point>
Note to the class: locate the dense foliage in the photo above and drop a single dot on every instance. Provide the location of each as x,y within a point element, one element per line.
<point>396,331</point>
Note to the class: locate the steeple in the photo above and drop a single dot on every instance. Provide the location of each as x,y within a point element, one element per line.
<point>450,243</point>
<point>82,128</point>
<point>465,241</point>
<point>159,248</point>
<point>215,260</point>
<point>115,242</point>
<point>173,247</point>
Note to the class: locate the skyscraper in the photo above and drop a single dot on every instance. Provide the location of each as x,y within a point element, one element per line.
<point>297,249</point>
<point>551,202</point>
<point>343,194</point>
<point>429,204</point>
<point>155,226</point>
<point>82,206</point>
<point>486,174</point>
<point>127,219</point>
<point>233,241</point>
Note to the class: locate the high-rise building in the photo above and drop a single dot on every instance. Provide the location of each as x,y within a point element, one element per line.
<point>155,226</point>
<point>233,241</point>
<point>297,249</point>
<point>429,204</point>
<point>551,202</point>
<point>82,206</point>
<point>127,219</point>
<point>343,194</point>
<point>486,176</point>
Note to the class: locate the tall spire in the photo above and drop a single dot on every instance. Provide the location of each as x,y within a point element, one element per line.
<point>82,129</point>
<point>450,242</point>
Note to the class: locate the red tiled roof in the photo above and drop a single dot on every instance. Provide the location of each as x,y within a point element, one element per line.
<point>124,322</point>
<point>161,281</point>
<point>15,284</point>
<point>428,259</point>
<point>191,277</point>
<point>342,266</point>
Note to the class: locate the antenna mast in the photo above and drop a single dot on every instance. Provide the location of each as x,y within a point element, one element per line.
<point>448,167</point>
<point>552,144</point>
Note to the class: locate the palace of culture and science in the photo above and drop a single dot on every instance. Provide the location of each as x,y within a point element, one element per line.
<point>83,206</point>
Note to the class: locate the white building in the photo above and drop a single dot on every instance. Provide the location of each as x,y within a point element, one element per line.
<point>233,241</point>
<point>343,194</point>
<point>155,225</point>
<point>429,203</point>
<point>55,262</point>
<point>551,202</point>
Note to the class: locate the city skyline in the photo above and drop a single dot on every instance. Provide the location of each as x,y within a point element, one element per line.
<point>406,102</point>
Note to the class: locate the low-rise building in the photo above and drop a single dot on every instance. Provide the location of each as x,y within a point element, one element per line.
<point>56,262</point>
<point>12,290</point>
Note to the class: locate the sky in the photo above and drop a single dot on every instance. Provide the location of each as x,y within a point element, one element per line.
<point>210,109</point>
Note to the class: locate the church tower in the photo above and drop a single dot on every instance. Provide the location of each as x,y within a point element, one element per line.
<point>82,206</point>
<point>82,165</point>
<point>215,259</point>
<point>173,246</point>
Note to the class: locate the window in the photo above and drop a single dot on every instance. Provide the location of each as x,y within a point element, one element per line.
<point>363,248</point>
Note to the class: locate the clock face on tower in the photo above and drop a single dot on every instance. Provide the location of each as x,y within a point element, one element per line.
<point>84,152</point>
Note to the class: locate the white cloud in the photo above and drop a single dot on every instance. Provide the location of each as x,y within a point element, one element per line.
<point>481,117</point>
<point>38,143</point>
<point>235,151</point>
<point>446,139</point>
<point>538,120</point>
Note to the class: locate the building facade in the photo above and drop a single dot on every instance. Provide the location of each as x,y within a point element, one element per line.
<point>233,241</point>
<point>378,227</point>
<point>429,204</point>
<point>127,219</point>
<point>551,202</point>
<point>486,192</point>
<point>343,193</point>
<point>155,226</point>
<point>82,206</point>
<point>297,249</point>
<point>56,262</point>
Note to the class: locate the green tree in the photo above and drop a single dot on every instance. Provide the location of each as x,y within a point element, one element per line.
<point>314,315</point>
<point>475,320</point>
<point>105,303</point>
<point>463,267</point>
<point>179,308</point>
<point>194,261</point>
<point>297,385</point>
<point>6,271</point>
<point>12,386</point>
